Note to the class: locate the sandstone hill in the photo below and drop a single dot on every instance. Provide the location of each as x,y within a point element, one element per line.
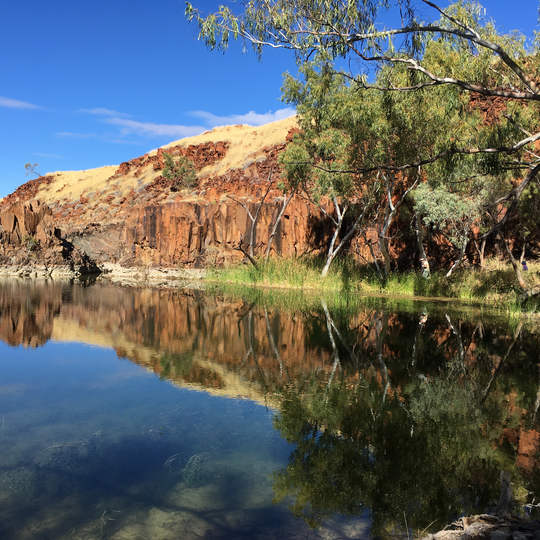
<point>128,215</point>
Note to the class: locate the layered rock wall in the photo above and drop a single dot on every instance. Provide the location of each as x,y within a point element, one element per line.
<point>31,243</point>
<point>21,221</point>
<point>209,233</point>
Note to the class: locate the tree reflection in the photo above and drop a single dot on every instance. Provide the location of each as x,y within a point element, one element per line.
<point>419,449</point>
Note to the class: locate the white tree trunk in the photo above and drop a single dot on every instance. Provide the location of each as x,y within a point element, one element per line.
<point>286,202</point>
<point>331,251</point>
<point>460,258</point>
<point>334,249</point>
<point>424,263</point>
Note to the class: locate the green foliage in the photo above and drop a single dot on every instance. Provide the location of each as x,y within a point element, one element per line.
<point>529,210</point>
<point>302,26</point>
<point>181,172</point>
<point>447,211</point>
<point>297,164</point>
<point>31,243</point>
<point>297,21</point>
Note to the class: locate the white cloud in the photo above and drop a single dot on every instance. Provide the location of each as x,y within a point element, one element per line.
<point>74,135</point>
<point>150,129</point>
<point>16,104</point>
<point>127,126</point>
<point>252,118</point>
<point>102,111</point>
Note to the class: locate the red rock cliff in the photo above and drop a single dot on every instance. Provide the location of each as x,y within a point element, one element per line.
<point>130,215</point>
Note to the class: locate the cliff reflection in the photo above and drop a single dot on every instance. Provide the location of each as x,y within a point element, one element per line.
<point>417,416</point>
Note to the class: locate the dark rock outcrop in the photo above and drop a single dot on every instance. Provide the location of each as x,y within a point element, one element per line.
<point>31,242</point>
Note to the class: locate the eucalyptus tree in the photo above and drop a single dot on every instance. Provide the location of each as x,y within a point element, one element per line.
<point>304,162</point>
<point>31,169</point>
<point>456,60</point>
<point>343,131</point>
<point>253,218</point>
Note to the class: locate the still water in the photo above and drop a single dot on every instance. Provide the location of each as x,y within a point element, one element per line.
<point>145,414</point>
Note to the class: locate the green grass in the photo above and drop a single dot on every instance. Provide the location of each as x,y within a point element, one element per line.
<point>495,285</point>
<point>282,273</point>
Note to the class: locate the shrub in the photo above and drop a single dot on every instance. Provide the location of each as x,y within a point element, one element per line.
<point>181,172</point>
<point>31,243</point>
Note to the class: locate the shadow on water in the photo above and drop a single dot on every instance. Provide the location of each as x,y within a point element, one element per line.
<point>377,420</point>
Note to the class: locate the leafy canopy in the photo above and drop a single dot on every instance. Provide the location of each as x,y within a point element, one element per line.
<point>450,101</point>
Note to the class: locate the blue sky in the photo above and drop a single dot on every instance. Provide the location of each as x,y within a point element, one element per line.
<point>90,84</point>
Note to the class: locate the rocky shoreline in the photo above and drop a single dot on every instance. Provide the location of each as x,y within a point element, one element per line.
<point>113,273</point>
<point>151,276</point>
<point>488,526</point>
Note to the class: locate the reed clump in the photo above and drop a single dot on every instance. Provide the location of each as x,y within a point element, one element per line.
<point>495,284</point>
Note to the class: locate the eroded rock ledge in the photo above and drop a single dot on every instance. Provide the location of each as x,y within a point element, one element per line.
<point>32,246</point>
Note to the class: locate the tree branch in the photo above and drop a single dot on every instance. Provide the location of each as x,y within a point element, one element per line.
<point>469,35</point>
<point>428,160</point>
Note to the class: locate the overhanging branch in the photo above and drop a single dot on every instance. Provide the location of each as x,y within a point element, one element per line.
<point>428,160</point>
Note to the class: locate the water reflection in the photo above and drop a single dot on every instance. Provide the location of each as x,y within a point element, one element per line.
<point>412,418</point>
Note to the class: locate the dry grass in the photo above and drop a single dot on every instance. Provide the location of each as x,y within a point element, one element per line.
<point>72,185</point>
<point>246,144</point>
